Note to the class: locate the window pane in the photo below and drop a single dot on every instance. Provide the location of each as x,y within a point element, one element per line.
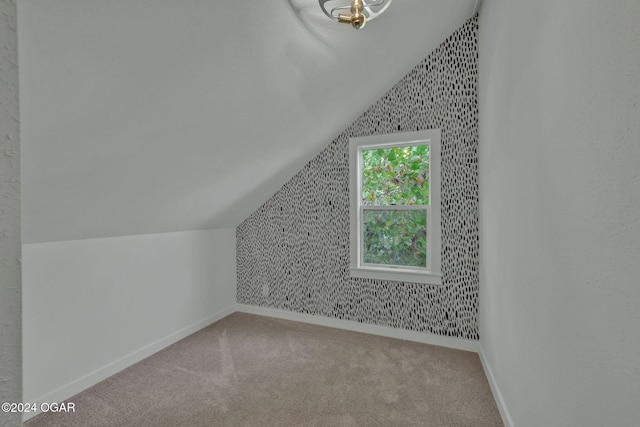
<point>395,237</point>
<point>396,176</point>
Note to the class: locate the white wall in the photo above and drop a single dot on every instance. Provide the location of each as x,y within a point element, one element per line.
<point>10,239</point>
<point>93,307</point>
<point>560,209</point>
<point>166,98</point>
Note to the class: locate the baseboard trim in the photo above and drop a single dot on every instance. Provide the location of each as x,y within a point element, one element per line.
<point>74,387</point>
<point>497,395</point>
<point>403,334</point>
<point>71,389</point>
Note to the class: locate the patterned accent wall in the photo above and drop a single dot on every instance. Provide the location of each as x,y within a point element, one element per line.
<point>293,252</point>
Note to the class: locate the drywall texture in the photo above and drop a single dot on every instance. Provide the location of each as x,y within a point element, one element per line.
<point>559,86</point>
<point>90,304</point>
<point>10,239</point>
<point>293,252</point>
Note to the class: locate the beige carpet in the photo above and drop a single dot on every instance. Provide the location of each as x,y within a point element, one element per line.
<point>247,370</point>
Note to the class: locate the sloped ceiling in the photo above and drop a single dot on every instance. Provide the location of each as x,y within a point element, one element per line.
<point>147,116</point>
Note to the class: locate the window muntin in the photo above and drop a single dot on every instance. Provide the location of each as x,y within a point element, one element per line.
<point>394,205</point>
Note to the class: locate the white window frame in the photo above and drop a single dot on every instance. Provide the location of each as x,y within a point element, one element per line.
<point>432,273</point>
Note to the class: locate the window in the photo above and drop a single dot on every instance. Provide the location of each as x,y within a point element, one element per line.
<point>395,207</point>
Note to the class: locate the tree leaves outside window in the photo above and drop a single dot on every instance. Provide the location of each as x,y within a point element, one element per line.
<point>395,176</point>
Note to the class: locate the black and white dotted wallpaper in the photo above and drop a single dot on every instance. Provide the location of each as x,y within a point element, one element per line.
<point>293,252</point>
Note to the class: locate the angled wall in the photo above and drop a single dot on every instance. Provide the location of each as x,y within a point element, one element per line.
<point>94,307</point>
<point>293,252</point>
<point>559,87</point>
<point>10,235</point>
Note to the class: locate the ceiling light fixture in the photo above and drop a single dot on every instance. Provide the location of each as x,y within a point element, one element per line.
<point>360,11</point>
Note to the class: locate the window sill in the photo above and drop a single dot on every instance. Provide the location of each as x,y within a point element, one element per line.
<point>396,274</point>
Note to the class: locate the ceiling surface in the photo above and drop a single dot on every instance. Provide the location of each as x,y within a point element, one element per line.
<point>148,116</point>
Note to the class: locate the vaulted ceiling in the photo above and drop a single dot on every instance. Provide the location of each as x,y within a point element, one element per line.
<point>146,116</point>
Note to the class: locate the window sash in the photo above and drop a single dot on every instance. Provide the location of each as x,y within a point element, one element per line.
<point>400,144</point>
<point>361,240</point>
<point>433,276</point>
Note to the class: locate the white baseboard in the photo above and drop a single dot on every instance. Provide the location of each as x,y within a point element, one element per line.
<point>497,395</point>
<point>403,334</point>
<point>66,391</point>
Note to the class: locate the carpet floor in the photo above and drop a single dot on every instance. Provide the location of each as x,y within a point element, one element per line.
<point>248,370</point>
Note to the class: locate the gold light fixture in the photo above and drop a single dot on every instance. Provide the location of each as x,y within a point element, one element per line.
<point>359,11</point>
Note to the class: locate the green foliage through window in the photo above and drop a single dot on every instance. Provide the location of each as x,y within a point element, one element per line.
<point>395,237</point>
<point>395,176</point>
